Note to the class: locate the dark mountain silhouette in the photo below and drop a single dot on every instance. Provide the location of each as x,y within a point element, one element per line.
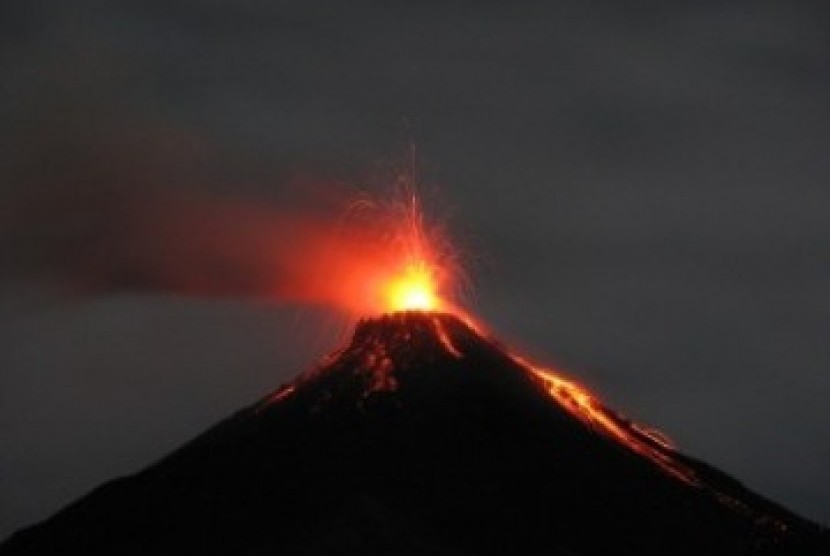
<point>423,438</point>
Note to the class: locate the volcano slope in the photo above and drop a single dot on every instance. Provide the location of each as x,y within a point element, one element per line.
<point>423,438</point>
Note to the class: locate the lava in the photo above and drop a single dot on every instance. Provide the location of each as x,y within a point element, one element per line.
<point>402,263</point>
<point>418,277</point>
<point>586,407</point>
<point>445,338</point>
<point>413,289</point>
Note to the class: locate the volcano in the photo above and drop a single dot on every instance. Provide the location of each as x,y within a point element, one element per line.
<point>424,437</point>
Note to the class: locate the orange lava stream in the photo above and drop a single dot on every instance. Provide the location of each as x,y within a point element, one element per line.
<point>584,406</point>
<point>445,339</point>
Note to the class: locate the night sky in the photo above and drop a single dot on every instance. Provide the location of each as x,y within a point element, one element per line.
<point>641,193</point>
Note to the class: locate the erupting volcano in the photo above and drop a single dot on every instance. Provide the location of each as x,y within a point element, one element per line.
<point>423,435</point>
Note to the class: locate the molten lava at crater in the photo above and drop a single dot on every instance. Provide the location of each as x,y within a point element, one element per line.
<point>390,259</point>
<point>413,289</point>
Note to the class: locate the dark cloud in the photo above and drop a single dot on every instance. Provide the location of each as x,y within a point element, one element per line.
<point>644,191</point>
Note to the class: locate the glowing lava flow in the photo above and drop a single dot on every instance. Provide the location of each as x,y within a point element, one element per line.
<point>642,440</point>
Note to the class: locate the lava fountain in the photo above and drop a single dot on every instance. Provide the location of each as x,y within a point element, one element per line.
<point>401,263</point>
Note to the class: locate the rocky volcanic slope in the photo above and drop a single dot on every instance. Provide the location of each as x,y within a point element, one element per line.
<point>420,438</point>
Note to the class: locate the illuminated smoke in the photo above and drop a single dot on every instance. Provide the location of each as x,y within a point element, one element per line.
<point>369,257</point>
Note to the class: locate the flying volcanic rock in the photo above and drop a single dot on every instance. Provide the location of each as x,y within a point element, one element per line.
<point>424,438</point>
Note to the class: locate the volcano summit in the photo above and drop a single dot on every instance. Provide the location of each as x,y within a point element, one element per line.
<point>423,437</point>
